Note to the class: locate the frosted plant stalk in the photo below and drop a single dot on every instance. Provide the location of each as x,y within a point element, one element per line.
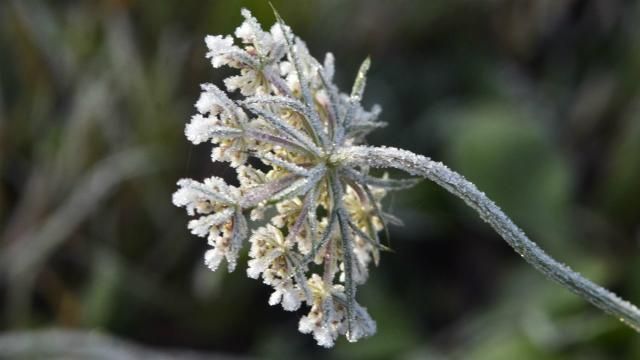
<point>295,142</point>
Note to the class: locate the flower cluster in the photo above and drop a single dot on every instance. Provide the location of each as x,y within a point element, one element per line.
<point>279,134</point>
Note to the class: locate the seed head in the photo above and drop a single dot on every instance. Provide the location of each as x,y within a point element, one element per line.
<point>326,216</point>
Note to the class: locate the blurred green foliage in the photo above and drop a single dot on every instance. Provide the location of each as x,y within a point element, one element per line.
<point>537,102</point>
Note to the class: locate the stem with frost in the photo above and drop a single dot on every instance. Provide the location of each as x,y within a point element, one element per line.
<point>418,165</point>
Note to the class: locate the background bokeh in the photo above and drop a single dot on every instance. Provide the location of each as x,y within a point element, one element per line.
<point>537,102</point>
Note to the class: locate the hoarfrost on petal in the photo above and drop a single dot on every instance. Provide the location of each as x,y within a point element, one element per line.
<point>291,300</point>
<point>212,259</point>
<point>219,46</point>
<point>198,130</point>
<point>324,337</point>
<point>255,267</point>
<point>306,325</point>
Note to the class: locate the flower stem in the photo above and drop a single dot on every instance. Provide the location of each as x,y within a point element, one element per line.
<point>387,157</point>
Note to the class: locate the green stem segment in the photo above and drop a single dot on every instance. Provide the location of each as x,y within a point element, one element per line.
<point>417,165</point>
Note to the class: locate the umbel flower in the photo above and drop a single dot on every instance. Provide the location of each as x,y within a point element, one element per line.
<point>325,215</point>
<point>294,140</point>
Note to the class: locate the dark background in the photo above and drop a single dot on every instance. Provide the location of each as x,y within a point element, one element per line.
<point>537,102</point>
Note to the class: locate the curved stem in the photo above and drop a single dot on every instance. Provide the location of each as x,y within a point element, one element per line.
<point>387,157</point>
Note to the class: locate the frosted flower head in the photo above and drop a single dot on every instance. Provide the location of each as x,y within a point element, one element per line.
<point>287,114</point>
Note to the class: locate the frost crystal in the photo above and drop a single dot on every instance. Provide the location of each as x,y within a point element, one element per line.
<point>324,231</point>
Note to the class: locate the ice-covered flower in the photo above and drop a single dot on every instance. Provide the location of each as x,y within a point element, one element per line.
<point>325,320</point>
<point>282,135</point>
<point>327,317</point>
<point>222,222</point>
<point>268,249</point>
